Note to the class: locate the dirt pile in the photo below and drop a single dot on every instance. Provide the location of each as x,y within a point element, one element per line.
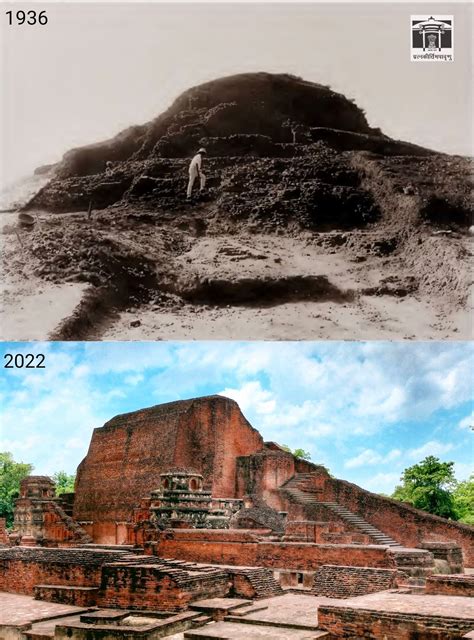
<point>285,157</point>
<point>280,150</point>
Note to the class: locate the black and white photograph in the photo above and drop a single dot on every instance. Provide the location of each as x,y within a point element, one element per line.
<point>236,171</point>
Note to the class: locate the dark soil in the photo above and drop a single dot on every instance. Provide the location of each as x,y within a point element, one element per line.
<point>284,156</point>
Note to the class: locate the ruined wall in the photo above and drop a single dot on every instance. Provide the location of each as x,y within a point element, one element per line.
<point>264,472</point>
<point>409,526</point>
<point>22,568</point>
<point>73,595</point>
<point>203,546</point>
<point>149,587</point>
<point>346,582</point>
<point>127,455</point>
<point>344,622</point>
<point>449,585</point>
<point>3,533</point>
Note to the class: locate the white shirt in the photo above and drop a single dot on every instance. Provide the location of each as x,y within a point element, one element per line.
<point>195,166</point>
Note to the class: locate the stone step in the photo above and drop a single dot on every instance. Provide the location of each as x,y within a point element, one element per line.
<point>200,621</point>
<point>267,623</point>
<point>246,611</point>
<point>39,635</point>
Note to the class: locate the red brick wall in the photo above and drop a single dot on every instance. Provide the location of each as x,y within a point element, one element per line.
<point>348,623</point>
<point>3,532</point>
<point>241,587</point>
<point>455,585</point>
<point>19,576</point>
<point>346,582</point>
<point>146,587</point>
<point>22,568</point>
<point>127,455</point>
<point>298,556</point>
<point>76,597</point>
<point>404,523</point>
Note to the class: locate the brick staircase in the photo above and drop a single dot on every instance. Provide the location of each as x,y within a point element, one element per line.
<point>359,523</point>
<point>78,533</point>
<point>295,490</point>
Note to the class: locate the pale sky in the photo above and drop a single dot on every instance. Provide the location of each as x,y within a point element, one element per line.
<point>98,68</point>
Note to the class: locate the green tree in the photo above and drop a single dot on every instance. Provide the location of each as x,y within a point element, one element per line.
<point>463,496</point>
<point>298,453</point>
<point>429,486</point>
<point>64,482</point>
<point>11,474</point>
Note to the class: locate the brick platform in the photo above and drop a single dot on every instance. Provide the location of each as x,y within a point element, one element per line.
<point>451,585</point>
<point>396,616</point>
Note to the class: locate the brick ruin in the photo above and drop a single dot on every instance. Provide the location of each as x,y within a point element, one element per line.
<point>185,502</point>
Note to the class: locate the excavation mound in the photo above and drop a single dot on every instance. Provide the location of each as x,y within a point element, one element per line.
<point>279,150</point>
<point>284,156</point>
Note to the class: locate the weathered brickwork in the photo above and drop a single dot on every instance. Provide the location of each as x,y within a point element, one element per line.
<point>157,587</point>
<point>448,556</point>
<point>41,518</point>
<point>22,568</point>
<point>253,583</point>
<point>4,540</point>
<point>323,532</point>
<point>345,582</point>
<point>451,585</point>
<point>199,547</point>
<point>351,624</point>
<point>405,524</point>
<point>127,455</point>
<point>77,596</point>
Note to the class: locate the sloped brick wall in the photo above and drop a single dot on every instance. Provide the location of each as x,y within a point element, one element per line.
<point>345,582</point>
<point>407,525</point>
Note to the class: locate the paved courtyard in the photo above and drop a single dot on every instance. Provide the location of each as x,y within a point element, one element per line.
<point>16,609</point>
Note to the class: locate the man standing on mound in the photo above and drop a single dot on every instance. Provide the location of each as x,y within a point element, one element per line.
<point>195,171</point>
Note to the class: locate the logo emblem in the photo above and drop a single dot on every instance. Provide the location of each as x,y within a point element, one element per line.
<point>432,38</point>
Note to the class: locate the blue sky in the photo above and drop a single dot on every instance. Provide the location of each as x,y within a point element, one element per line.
<point>365,410</point>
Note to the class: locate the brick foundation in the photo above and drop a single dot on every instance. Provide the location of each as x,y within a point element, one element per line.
<point>21,568</point>
<point>344,622</point>
<point>201,546</point>
<point>450,585</point>
<point>77,596</point>
<point>158,587</point>
<point>345,582</point>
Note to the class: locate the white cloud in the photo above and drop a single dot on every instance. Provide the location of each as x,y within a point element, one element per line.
<point>467,422</point>
<point>431,448</point>
<point>134,379</point>
<point>251,397</point>
<point>371,457</point>
<point>382,482</point>
<point>319,396</point>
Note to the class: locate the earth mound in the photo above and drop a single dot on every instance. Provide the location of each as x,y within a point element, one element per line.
<point>284,157</point>
<point>278,152</point>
